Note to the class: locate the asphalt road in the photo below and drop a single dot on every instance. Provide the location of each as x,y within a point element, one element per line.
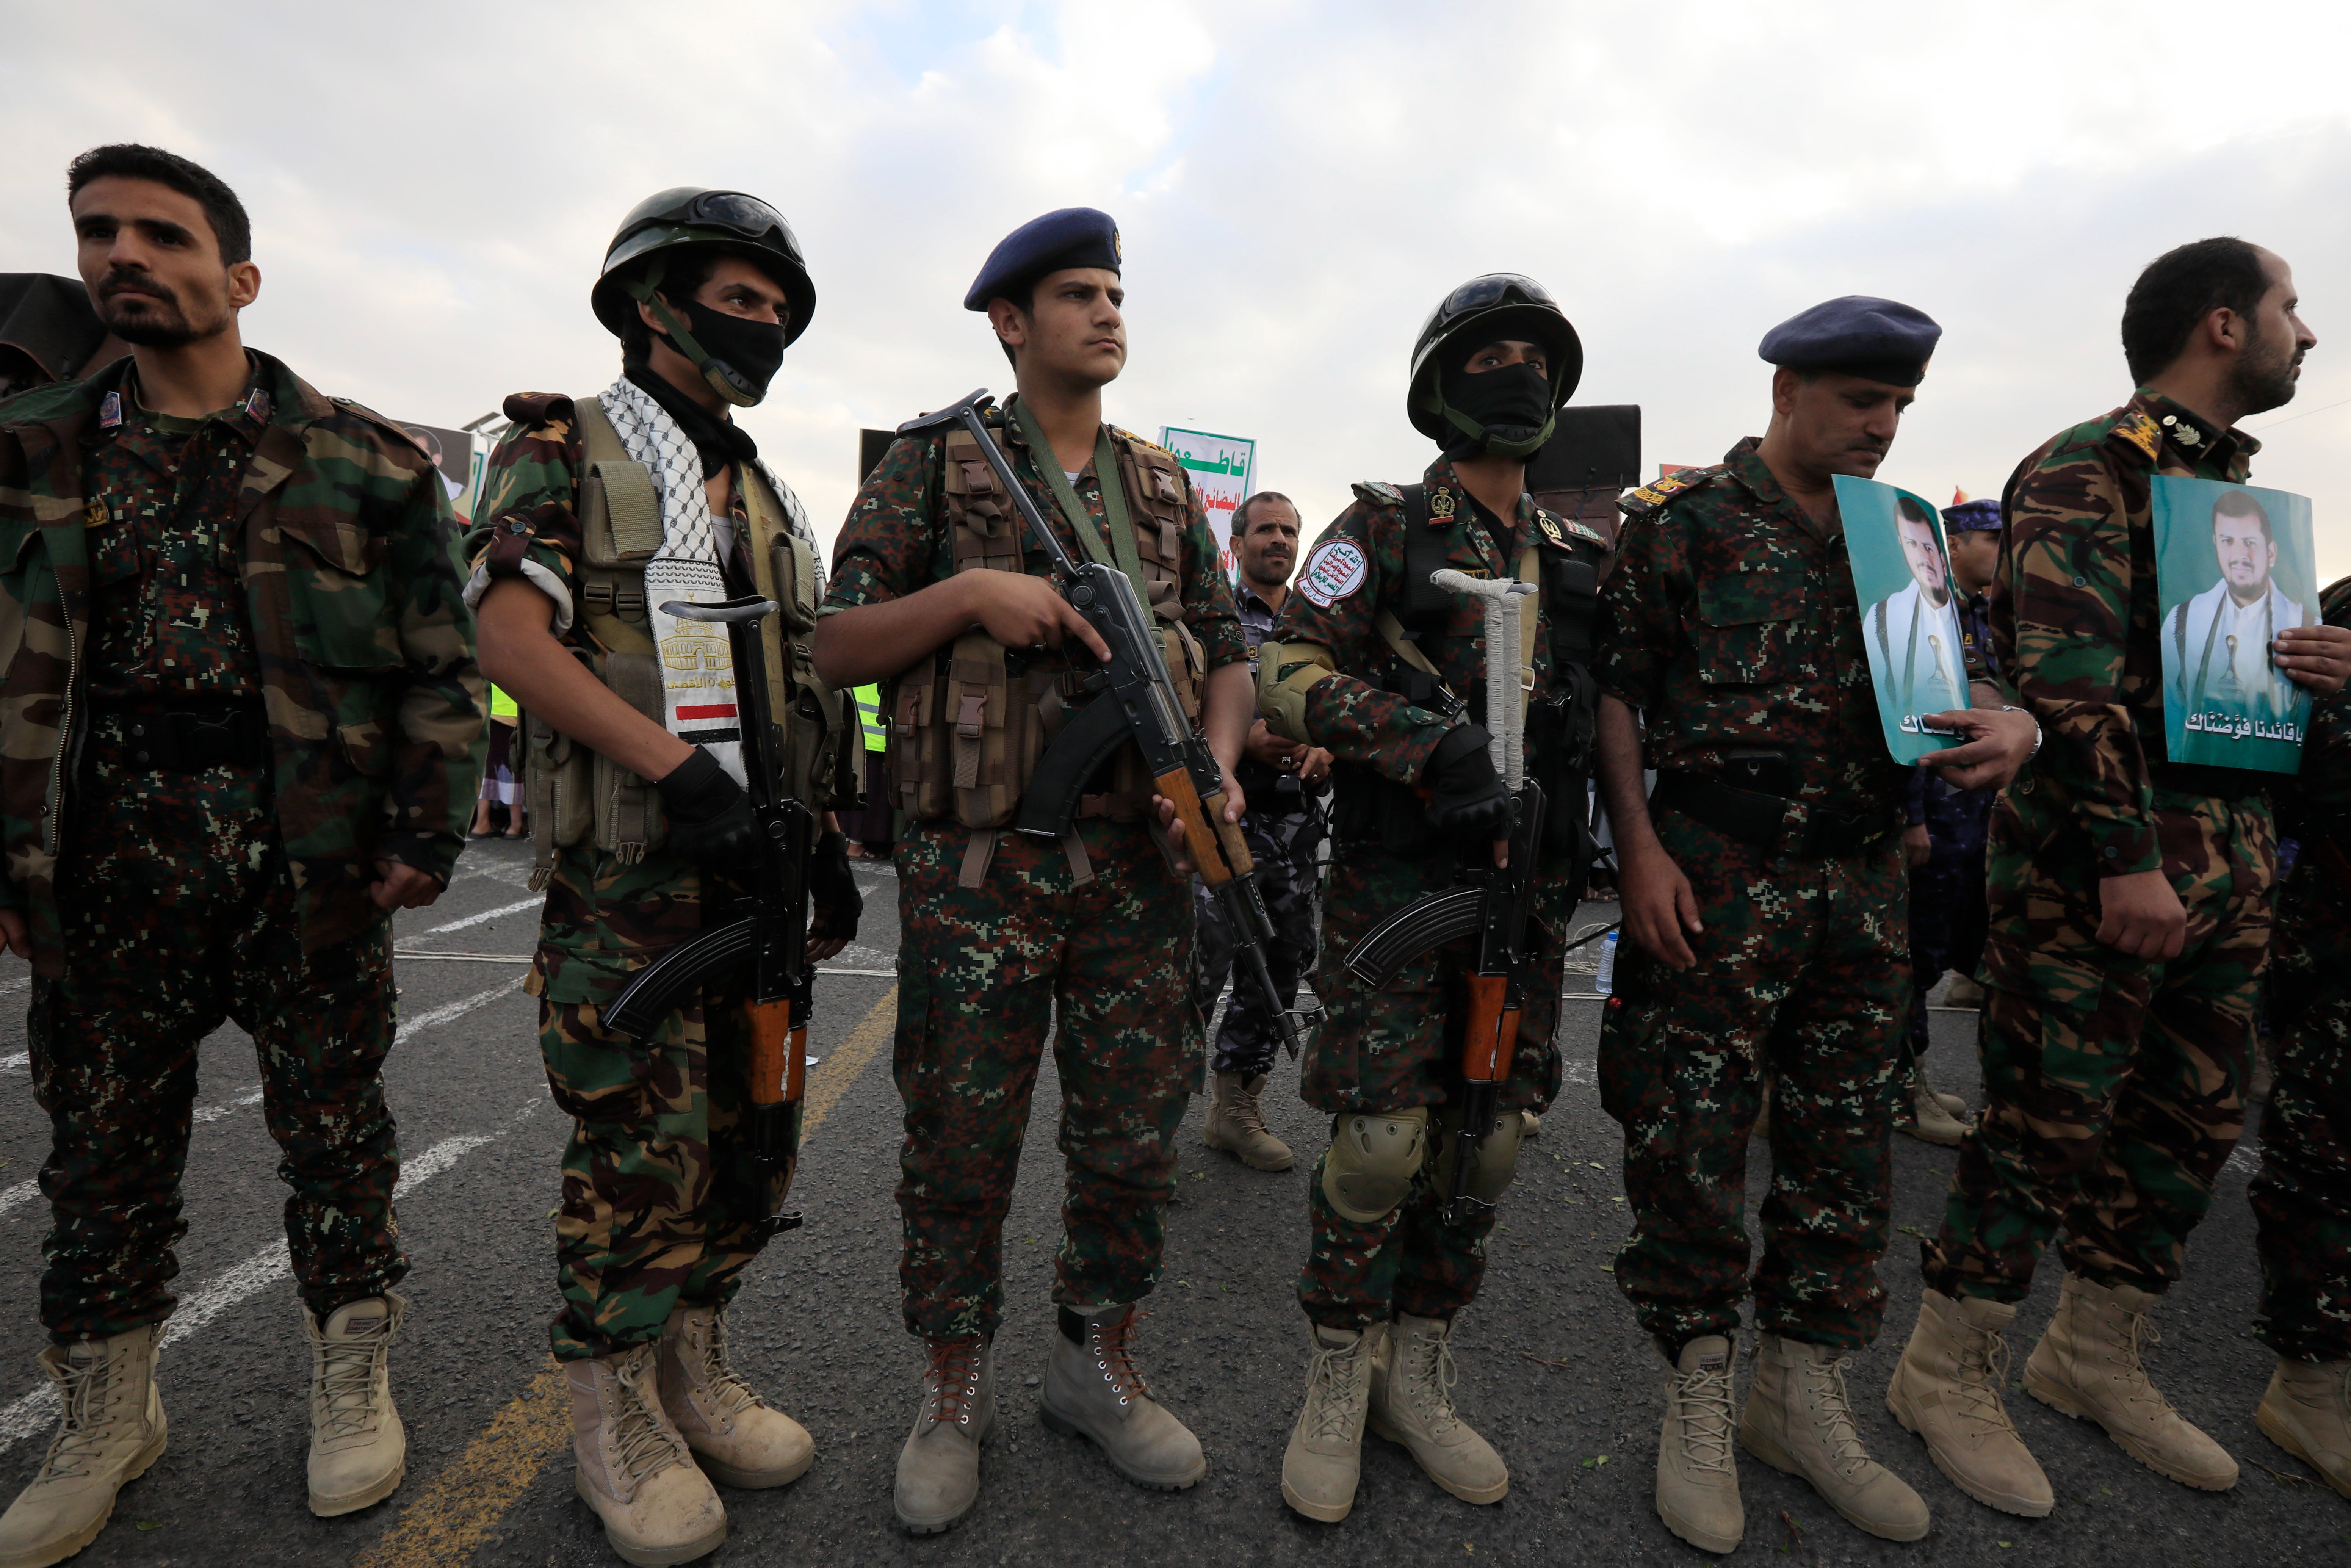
<point>1552,1367</point>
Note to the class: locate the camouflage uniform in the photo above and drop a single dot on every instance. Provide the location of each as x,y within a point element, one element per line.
<point>1397,1049</point>
<point>1284,828</point>
<point>1097,955</point>
<point>2113,1083</point>
<point>1730,623</point>
<point>2302,1198</point>
<point>162,902</point>
<point>1947,893</point>
<point>661,1199</point>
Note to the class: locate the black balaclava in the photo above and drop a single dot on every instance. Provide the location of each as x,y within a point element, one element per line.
<point>753,349</point>
<point>1511,404</point>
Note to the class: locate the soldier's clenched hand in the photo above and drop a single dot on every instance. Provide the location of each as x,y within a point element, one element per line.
<point>1023,611</point>
<point>2140,914</point>
<point>15,934</point>
<point>1658,904</point>
<point>709,815</point>
<point>402,886</point>
<point>2318,657</point>
<point>1998,742</point>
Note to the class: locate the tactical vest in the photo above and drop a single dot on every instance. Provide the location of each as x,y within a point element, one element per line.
<point>968,723</point>
<point>579,796</point>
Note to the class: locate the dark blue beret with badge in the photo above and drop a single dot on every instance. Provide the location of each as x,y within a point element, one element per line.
<point>1857,335</point>
<point>1972,518</point>
<point>1067,237</point>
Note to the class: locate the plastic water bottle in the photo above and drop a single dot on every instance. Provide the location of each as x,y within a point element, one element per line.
<point>1604,982</point>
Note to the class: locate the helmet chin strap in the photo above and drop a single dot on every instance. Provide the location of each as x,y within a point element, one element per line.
<point>1525,447</point>
<point>721,377</point>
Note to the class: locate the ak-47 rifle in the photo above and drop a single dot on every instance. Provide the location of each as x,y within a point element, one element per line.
<point>1133,699</point>
<point>771,941</point>
<point>1495,904</point>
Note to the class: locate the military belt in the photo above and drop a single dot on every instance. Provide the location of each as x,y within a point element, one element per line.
<point>1755,818</point>
<point>186,740</point>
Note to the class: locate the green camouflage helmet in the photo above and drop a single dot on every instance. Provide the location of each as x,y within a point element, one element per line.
<point>1496,305</point>
<point>693,215</point>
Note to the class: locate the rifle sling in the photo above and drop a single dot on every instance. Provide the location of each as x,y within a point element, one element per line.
<point>1127,558</point>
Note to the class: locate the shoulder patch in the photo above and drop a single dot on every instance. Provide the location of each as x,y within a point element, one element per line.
<point>2142,433</point>
<point>1378,493</point>
<point>1653,495</point>
<point>1336,570</point>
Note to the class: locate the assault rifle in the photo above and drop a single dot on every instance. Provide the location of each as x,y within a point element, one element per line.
<point>771,941</point>
<point>1494,903</point>
<point>1133,699</point>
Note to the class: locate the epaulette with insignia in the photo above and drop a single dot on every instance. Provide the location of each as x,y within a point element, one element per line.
<point>1378,493</point>
<point>350,405</point>
<point>2142,433</point>
<point>1652,497</point>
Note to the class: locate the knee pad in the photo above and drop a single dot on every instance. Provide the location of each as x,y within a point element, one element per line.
<point>1498,1156</point>
<point>1374,1156</point>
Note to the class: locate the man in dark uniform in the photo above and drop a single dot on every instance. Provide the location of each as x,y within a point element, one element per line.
<point>1371,653</point>
<point>1944,842</point>
<point>2302,1198</point>
<point>1284,827</point>
<point>1010,938</point>
<point>241,725</point>
<point>1764,893</point>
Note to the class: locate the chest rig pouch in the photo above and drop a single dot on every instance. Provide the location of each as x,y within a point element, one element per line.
<point>579,796</point>
<point>968,723</point>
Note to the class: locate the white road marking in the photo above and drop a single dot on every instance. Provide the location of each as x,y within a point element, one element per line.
<point>442,1015</point>
<point>533,902</point>
<point>31,1414</point>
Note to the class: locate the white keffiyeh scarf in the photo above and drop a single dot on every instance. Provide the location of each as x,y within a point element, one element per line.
<point>696,665</point>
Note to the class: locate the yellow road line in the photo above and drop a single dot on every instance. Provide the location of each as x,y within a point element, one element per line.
<point>451,1517</point>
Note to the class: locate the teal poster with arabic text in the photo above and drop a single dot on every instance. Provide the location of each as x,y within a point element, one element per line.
<point>2234,566</point>
<point>1224,472</point>
<point>1909,612</point>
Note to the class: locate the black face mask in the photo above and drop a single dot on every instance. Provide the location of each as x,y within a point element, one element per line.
<point>743,355</point>
<point>1510,404</point>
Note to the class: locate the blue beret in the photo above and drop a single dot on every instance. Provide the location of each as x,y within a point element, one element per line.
<point>1861,336</point>
<point>1972,518</point>
<point>1070,236</point>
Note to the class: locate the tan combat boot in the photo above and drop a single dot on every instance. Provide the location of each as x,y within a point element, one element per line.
<point>634,1470</point>
<point>1963,992</point>
<point>1926,1118</point>
<point>1698,1478</point>
<point>359,1449</point>
<point>1237,1125</point>
<point>2307,1412</point>
<point>112,1430</point>
<point>737,1439</point>
<point>1093,1390</point>
<point>939,1468</point>
<point>1946,1388</point>
<point>1324,1460</point>
<point>2087,1366</point>
<point>1411,1404</point>
<point>1798,1419</point>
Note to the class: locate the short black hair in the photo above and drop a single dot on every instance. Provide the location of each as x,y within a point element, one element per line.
<point>232,230</point>
<point>1241,512</point>
<point>2242,503</point>
<point>2180,288</point>
<point>684,272</point>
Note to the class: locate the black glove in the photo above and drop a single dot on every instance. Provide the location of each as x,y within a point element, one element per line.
<point>709,815</point>
<point>832,889</point>
<point>1466,795</point>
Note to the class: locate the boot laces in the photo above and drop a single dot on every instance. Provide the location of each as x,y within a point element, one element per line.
<point>1112,1341</point>
<point>729,1391</point>
<point>1243,1112</point>
<point>951,1383</point>
<point>642,1439</point>
<point>82,1436</point>
<point>1704,1396</point>
<point>1983,1369</point>
<point>1824,1391</point>
<point>1333,1389</point>
<point>1432,1376</point>
<point>2138,1329</point>
<point>346,1382</point>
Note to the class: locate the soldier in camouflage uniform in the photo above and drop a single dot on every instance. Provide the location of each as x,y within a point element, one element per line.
<point>240,724</point>
<point>1370,657</point>
<point>2302,1198</point>
<point>664,1207</point>
<point>1764,893</point>
<point>1009,937</point>
<point>1284,829</point>
<point>2130,913</point>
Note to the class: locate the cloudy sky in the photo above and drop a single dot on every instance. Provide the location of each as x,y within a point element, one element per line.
<point>1297,183</point>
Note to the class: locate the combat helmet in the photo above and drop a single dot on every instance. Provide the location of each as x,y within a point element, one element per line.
<point>1494,305</point>
<point>691,217</point>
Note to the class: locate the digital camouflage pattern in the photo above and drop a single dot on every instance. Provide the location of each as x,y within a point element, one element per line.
<point>1800,974</point>
<point>2302,1198</point>
<point>176,912</point>
<point>168,621</point>
<point>353,597</point>
<point>2113,1084</point>
<point>1731,622</point>
<point>1282,844</point>
<point>984,976</point>
<point>661,1201</point>
<point>1408,1260</point>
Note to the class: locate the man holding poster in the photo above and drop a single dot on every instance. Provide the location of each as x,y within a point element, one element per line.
<point>1914,633</point>
<point>2130,912</point>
